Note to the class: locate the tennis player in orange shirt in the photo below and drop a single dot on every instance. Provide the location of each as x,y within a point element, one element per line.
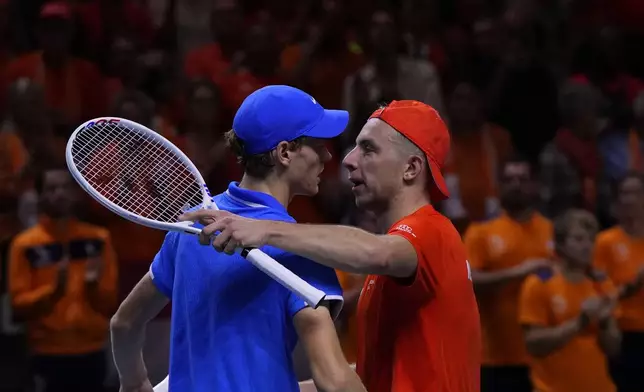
<point>418,321</point>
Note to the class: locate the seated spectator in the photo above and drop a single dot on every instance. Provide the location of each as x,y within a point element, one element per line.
<point>502,253</point>
<point>124,67</point>
<point>30,143</point>
<point>478,148</point>
<point>62,282</point>
<point>623,150</point>
<point>103,20</point>
<point>211,61</point>
<point>619,251</point>
<point>73,87</point>
<point>388,76</point>
<point>200,135</point>
<point>571,167</point>
<point>568,314</point>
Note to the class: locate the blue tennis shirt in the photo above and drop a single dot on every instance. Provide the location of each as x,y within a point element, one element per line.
<point>232,327</point>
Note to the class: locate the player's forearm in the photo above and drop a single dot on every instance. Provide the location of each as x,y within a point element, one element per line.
<point>339,247</point>
<point>127,350</point>
<point>610,337</point>
<point>543,341</point>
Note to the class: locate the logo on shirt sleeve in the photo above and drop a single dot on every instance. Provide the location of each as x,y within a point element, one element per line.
<point>406,229</point>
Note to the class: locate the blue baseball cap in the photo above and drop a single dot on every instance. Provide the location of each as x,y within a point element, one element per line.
<point>278,113</point>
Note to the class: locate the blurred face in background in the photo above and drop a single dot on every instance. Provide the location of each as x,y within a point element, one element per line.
<point>382,35</point>
<point>577,246</point>
<point>517,187</point>
<point>630,199</point>
<point>55,37</point>
<point>203,106</point>
<point>28,110</point>
<point>58,194</point>
<point>580,107</point>
<point>227,21</point>
<point>465,107</point>
<point>488,38</point>
<point>124,62</point>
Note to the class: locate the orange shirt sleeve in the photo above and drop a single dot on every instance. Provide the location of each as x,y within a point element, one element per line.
<point>475,246</point>
<point>25,298</point>
<point>533,303</point>
<point>104,299</point>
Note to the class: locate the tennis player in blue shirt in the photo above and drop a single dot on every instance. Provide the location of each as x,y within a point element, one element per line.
<point>233,327</point>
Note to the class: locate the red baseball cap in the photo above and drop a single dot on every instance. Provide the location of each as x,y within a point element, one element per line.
<point>56,9</point>
<point>421,124</point>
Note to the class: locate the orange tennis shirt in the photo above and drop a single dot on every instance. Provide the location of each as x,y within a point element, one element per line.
<point>424,335</point>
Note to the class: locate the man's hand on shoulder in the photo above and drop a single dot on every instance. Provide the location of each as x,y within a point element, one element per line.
<point>234,231</point>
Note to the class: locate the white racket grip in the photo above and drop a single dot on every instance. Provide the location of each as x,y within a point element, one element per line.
<point>163,385</point>
<point>285,277</point>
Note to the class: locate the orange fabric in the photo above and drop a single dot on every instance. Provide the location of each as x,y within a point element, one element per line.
<point>621,256</point>
<point>475,158</point>
<point>206,62</point>
<point>497,245</point>
<point>635,160</point>
<point>326,76</point>
<point>580,365</point>
<point>423,336</point>
<point>78,322</point>
<point>77,90</point>
<point>348,336</point>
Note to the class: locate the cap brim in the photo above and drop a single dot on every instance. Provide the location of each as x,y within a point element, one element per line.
<point>333,123</point>
<point>438,189</point>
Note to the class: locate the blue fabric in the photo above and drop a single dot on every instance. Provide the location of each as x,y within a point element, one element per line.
<point>232,326</point>
<point>278,113</point>
<point>615,150</point>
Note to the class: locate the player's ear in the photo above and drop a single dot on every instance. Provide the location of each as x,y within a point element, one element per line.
<point>282,153</point>
<point>413,168</point>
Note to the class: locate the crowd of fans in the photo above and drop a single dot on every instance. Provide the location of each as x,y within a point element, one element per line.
<point>544,100</point>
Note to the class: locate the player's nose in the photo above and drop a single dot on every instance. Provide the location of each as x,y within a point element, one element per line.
<point>350,161</point>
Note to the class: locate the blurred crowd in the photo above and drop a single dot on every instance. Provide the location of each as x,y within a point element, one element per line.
<point>544,100</point>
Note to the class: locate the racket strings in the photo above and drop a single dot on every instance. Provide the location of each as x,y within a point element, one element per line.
<point>135,171</point>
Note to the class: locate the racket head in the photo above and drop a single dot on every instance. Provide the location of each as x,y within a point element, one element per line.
<point>136,173</point>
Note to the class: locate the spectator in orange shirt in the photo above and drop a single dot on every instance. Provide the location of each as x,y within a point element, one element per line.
<point>74,88</point>
<point>502,252</point>
<point>619,252</point>
<point>63,284</point>
<point>567,314</point>
<point>479,147</point>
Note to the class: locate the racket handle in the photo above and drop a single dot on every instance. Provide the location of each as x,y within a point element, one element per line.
<point>284,276</point>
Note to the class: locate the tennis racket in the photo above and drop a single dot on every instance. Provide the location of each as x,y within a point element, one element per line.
<point>141,176</point>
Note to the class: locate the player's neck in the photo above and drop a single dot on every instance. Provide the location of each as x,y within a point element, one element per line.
<point>400,206</point>
<point>633,228</point>
<point>278,189</point>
